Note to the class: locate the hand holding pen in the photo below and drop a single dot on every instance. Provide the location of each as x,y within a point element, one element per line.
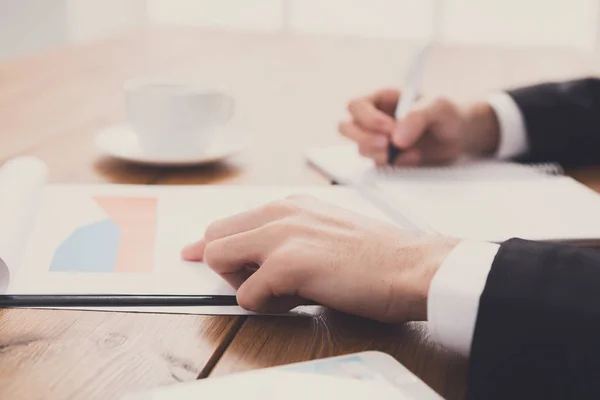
<point>396,127</point>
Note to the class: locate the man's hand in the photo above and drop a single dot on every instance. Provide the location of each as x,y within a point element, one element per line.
<point>300,248</point>
<point>435,131</point>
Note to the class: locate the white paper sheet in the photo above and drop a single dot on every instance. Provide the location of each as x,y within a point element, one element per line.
<point>362,375</point>
<point>21,182</point>
<point>78,227</point>
<point>274,384</point>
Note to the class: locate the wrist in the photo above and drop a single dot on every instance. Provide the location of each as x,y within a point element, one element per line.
<point>481,130</point>
<point>435,251</point>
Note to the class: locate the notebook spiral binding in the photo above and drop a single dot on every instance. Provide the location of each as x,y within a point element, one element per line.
<point>484,170</point>
<point>548,168</point>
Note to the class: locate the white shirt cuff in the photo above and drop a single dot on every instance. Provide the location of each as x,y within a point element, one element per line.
<point>454,293</point>
<point>513,132</point>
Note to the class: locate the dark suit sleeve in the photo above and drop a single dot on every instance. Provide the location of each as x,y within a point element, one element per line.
<point>562,121</point>
<point>537,334</point>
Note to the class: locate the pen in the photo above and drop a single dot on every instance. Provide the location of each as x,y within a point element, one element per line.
<point>410,92</point>
<point>117,300</point>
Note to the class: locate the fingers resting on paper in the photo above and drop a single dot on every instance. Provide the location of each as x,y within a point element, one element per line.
<point>300,248</point>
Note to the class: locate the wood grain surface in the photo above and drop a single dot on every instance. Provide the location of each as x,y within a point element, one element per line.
<point>290,91</point>
<point>55,354</point>
<point>267,341</point>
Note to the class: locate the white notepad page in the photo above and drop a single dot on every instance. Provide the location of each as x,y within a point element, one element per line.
<point>552,209</point>
<point>490,200</point>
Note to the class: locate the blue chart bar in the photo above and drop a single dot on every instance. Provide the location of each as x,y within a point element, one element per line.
<point>124,242</point>
<point>91,248</point>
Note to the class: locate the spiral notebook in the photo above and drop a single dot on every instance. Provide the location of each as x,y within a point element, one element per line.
<point>344,165</point>
<point>472,199</point>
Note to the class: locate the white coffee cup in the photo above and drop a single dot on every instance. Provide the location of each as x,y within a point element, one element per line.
<point>172,119</point>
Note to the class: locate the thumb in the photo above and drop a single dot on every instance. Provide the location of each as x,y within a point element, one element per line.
<point>419,120</point>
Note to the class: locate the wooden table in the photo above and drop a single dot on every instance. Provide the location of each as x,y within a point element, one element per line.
<point>291,91</point>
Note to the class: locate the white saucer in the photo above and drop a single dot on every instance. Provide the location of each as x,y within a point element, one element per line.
<point>121,142</point>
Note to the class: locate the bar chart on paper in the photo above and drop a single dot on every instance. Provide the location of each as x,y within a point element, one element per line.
<point>123,242</point>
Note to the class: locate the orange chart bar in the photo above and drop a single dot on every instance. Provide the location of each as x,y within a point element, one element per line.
<point>136,218</point>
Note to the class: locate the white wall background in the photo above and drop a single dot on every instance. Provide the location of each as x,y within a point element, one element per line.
<point>45,24</point>
<point>32,25</point>
<point>92,19</point>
